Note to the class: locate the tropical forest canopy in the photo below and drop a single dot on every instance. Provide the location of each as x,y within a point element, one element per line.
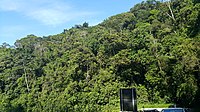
<point>155,48</point>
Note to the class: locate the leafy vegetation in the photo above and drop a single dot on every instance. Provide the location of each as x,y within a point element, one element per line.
<point>155,47</point>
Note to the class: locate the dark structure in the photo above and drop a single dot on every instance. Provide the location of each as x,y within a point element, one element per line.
<point>128,101</point>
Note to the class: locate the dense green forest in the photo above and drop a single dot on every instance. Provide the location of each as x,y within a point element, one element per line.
<point>155,48</point>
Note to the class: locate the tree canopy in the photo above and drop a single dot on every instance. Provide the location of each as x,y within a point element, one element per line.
<point>155,48</point>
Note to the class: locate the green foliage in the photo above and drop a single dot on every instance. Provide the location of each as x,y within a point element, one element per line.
<point>154,106</point>
<point>154,48</point>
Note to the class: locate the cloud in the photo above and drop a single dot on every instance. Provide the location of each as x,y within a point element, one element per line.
<point>10,33</point>
<point>49,16</point>
<point>94,22</point>
<point>12,29</point>
<point>8,5</point>
<point>48,12</point>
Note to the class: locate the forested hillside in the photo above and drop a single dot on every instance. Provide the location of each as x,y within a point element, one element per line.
<point>155,47</point>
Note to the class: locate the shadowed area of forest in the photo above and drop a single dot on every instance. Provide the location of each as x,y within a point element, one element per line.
<point>155,48</point>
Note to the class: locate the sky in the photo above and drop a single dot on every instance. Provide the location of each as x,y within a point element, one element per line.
<point>19,18</point>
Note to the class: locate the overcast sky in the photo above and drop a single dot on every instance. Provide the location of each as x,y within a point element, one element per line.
<point>19,18</point>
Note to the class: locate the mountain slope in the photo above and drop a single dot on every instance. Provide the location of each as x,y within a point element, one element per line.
<point>154,47</point>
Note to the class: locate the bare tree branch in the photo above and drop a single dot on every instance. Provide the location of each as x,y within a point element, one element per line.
<point>26,80</point>
<point>171,11</point>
